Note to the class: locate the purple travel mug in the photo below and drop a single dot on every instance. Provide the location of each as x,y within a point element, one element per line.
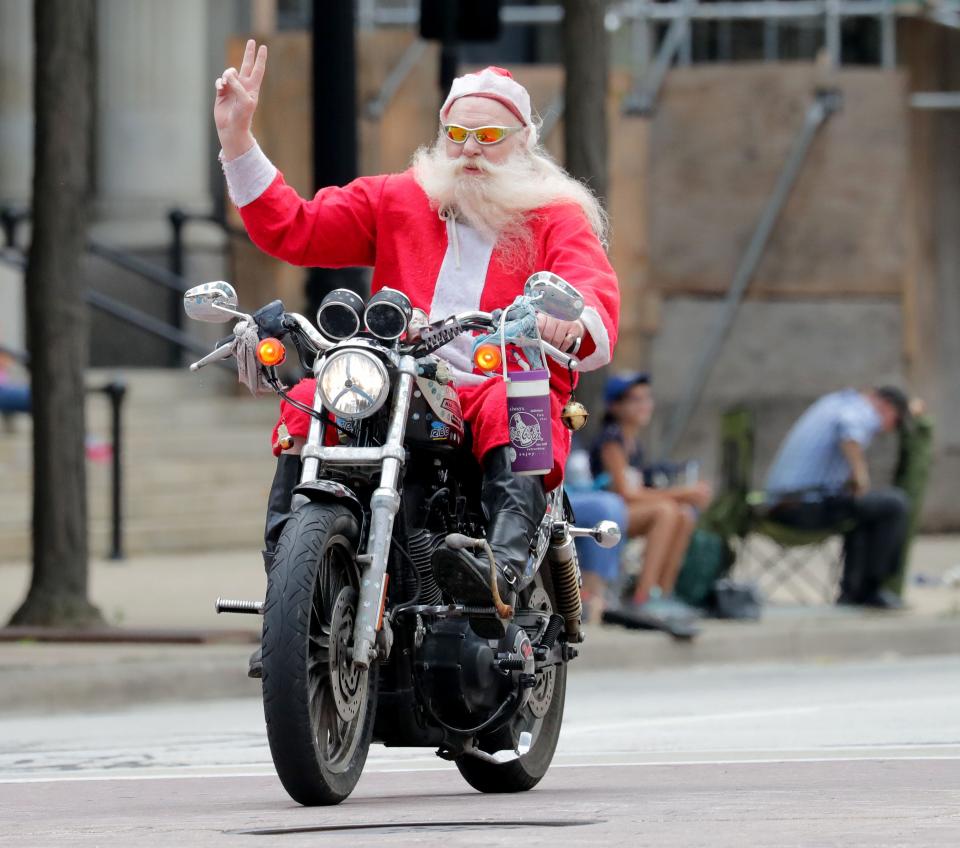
<point>528,417</point>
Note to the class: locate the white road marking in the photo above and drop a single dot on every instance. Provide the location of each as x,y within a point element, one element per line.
<point>699,718</point>
<point>441,766</point>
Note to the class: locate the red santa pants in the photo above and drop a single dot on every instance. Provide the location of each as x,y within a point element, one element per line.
<point>484,408</point>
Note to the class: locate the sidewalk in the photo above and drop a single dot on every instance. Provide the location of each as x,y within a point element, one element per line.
<point>166,602</point>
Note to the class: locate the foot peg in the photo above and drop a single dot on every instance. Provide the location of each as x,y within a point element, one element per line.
<point>248,607</point>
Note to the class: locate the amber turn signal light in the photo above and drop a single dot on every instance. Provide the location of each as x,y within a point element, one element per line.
<point>487,357</point>
<point>271,352</point>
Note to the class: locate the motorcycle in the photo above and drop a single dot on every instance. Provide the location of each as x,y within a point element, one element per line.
<point>359,643</point>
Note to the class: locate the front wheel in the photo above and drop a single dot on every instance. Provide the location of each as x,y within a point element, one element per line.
<point>318,706</point>
<point>541,716</point>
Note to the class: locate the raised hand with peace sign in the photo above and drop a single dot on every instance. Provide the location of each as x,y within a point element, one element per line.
<point>236,101</point>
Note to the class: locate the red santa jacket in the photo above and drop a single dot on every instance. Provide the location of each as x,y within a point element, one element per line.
<point>387,222</point>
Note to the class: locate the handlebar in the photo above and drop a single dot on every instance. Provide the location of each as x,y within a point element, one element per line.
<point>317,339</point>
<point>222,352</point>
<point>473,319</point>
<point>491,320</point>
<point>565,359</point>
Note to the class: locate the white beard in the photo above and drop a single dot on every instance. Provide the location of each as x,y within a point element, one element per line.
<point>498,200</point>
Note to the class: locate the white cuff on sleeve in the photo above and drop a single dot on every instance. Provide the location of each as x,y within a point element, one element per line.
<point>248,176</point>
<point>594,323</point>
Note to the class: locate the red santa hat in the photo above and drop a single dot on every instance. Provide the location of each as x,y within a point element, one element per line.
<point>497,84</point>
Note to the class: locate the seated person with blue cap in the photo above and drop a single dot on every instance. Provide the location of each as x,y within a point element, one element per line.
<point>664,516</point>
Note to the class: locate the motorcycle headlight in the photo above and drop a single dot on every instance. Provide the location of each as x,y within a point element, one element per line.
<point>353,384</point>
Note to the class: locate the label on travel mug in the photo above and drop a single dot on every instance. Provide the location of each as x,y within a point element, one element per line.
<point>528,418</point>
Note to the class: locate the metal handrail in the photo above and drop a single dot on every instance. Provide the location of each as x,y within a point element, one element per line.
<point>145,322</point>
<point>11,218</point>
<point>129,314</point>
<point>115,391</point>
<point>171,280</point>
<point>150,272</point>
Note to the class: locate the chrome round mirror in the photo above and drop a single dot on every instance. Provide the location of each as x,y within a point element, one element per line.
<point>215,303</point>
<point>553,295</point>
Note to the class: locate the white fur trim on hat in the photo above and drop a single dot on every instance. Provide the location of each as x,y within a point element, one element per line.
<point>497,84</point>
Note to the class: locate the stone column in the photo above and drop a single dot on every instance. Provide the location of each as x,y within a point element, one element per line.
<point>16,100</point>
<point>16,146</point>
<point>154,110</point>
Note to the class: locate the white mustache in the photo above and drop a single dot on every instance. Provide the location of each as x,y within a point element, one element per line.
<point>461,163</point>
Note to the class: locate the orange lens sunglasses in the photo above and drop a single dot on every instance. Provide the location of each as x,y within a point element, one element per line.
<point>483,135</point>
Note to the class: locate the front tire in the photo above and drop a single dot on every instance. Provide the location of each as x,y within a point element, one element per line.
<point>319,708</point>
<point>542,716</point>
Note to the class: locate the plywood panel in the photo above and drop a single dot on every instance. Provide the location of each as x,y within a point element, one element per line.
<point>718,142</point>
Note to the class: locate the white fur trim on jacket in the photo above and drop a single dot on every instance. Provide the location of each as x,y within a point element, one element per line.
<point>248,176</point>
<point>594,324</point>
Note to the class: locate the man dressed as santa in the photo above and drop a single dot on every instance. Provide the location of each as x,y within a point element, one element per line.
<point>476,213</point>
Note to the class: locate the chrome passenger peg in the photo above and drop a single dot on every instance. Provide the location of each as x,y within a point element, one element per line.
<point>605,533</point>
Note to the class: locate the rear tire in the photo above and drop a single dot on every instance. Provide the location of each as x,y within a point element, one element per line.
<point>526,772</point>
<point>319,709</point>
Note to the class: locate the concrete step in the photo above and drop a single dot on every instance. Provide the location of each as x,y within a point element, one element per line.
<point>196,462</point>
<point>187,486</point>
<point>164,444</point>
<point>226,501</point>
<point>157,537</point>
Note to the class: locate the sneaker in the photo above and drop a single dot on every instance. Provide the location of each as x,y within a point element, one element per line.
<point>654,614</point>
<point>680,607</point>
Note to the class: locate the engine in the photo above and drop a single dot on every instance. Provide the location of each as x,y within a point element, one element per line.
<point>467,678</point>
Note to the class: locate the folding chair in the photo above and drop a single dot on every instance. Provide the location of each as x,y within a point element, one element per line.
<point>778,558</point>
<point>913,470</point>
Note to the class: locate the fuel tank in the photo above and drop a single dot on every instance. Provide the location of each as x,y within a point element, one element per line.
<point>436,420</point>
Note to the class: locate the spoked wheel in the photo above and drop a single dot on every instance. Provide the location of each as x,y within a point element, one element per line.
<point>319,707</point>
<point>541,716</point>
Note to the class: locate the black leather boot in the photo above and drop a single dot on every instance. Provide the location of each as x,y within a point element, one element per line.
<point>516,505</point>
<point>285,478</point>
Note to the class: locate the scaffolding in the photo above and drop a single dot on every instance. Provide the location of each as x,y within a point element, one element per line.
<point>655,36</point>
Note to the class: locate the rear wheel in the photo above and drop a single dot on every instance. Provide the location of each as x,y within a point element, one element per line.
<point>318,706</point>
<point>541,716</point>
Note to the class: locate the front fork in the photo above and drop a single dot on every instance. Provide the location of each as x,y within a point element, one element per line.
<point>384,505</point>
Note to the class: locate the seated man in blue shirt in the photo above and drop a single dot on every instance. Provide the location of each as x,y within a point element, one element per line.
<point>819,479</point>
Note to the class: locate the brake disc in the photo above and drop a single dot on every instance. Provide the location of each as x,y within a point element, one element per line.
<point>347,682</point>
<point>542,694</point>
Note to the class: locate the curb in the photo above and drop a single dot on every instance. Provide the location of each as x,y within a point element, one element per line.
<point>57,677</point>
<point>785,641</point>
<point>128,636</point>
<point>62,676</point>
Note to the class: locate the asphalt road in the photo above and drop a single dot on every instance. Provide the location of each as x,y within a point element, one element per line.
<point>851,755</point>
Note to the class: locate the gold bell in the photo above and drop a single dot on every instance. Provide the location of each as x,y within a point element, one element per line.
<point>574,415</point>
